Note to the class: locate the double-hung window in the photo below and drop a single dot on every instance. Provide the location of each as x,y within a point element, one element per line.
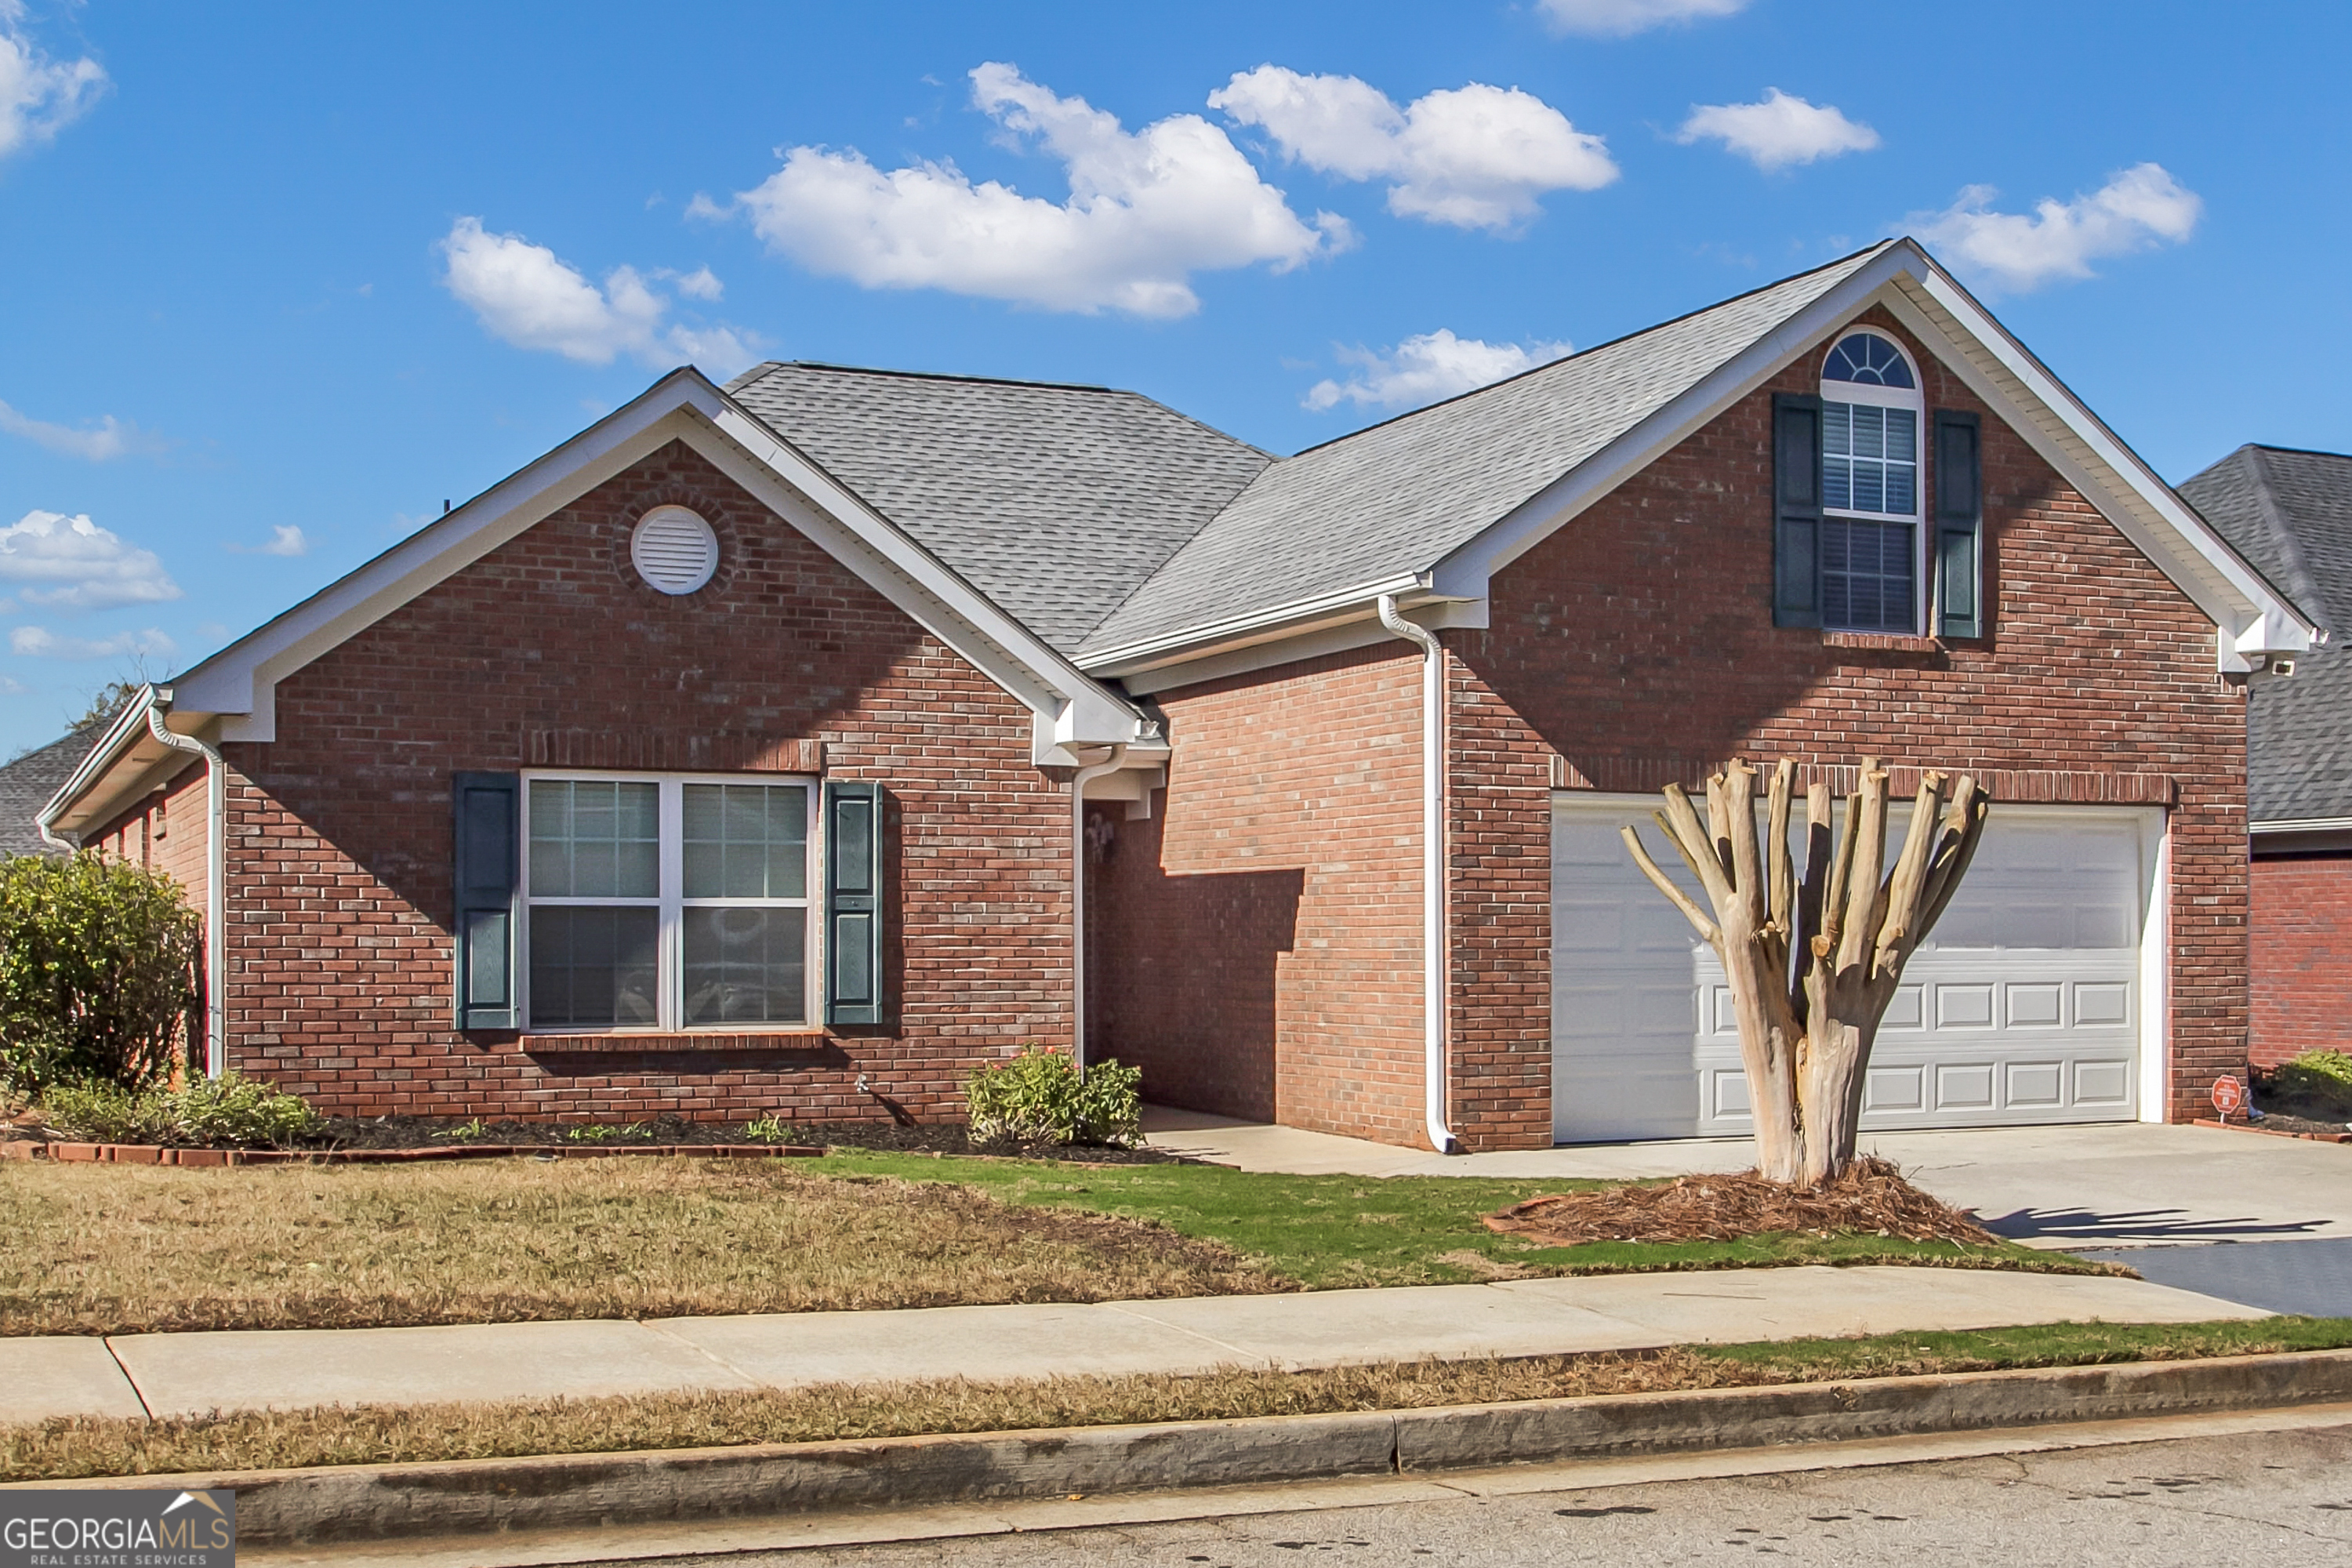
<point>1870,536</point>
<point>666,904</point>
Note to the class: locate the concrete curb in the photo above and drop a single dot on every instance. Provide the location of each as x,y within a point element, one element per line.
<point>157,1155</point>
<point>365,1502</point>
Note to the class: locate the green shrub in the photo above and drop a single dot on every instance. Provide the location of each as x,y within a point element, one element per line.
<point>226,1111</point>
<point>774,1130</point>
<point>2324,1077</point>
<point>1040,1097</point>
<point>98,972</point>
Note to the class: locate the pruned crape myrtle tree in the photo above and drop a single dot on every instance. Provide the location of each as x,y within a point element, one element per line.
<point>1813,961</point>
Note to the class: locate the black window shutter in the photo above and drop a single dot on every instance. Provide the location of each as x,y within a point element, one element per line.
<point>1959,525</point>
<point>853,903</point>
<point>1796,510</point>
<point>487,824</point>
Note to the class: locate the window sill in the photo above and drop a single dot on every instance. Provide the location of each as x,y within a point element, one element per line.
<point>1883,642</point>
<point>559,1044</point>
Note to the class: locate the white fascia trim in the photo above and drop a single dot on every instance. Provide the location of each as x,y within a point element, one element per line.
<point>1361,629</point>
<point>2302,824</point>
<point>1466,571</point>
<point>240,681</point>
<point>2254,620</point>
<point>1258,626</point>
<point>1072,707</point>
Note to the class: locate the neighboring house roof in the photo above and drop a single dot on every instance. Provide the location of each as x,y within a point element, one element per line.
<point>1056,501</point>
<point>27,784</point>
<point>2290,512</point>
<point>1395,499</point>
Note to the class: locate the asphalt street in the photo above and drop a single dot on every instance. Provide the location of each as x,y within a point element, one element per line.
<point>2266,1499</point>
<point>2313,1277</point>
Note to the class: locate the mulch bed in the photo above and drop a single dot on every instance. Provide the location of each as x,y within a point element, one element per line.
<point>1871,1199</point>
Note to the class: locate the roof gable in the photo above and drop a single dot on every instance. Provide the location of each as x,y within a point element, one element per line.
<point>1056,501</point>
<point>239,684</point>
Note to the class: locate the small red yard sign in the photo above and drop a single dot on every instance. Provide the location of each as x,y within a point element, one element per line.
<point>2227,1095</point>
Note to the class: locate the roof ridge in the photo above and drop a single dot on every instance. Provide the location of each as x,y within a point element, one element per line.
<point>948,375</point>
<point>2297,451</point>
<point>1580,354</point>
<point>2301,586</point>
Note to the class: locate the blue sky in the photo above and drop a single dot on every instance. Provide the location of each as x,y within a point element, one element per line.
<point>277,280</point>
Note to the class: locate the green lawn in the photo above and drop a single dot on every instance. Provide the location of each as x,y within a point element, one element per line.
<point>1334,1232</point>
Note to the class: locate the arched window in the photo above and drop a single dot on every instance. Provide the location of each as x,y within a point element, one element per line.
<point>1871,415</point>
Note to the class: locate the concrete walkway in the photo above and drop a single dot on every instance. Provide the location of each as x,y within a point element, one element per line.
<point>2114,1184</point>
<point>193,1374</point>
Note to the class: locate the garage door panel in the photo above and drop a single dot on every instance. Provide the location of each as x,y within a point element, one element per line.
<point>2021,1009</point>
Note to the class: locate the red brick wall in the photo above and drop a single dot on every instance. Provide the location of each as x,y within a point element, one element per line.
<point>1261,933</point>
<point>1637,642</point>
<point>164,832</point>
<point>550,647</point>
<point>2302,956</point>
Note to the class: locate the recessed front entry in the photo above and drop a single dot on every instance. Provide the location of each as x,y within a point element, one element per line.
<point>2024,1006</point>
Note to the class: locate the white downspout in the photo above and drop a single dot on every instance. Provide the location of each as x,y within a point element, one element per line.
<point>1433,870</point>
<point>215,889</point>
<point>1078,781</point>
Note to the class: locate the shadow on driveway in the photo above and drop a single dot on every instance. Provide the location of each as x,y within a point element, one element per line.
<point>2140,1226</point>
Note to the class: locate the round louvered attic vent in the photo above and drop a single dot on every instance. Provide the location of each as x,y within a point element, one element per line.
<point>674,549</point>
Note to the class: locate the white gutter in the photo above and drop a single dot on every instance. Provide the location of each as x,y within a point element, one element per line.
<point>2302,824</point>
<point>1078,781</point>
<point>1433,871</point>
<point>215,889</point>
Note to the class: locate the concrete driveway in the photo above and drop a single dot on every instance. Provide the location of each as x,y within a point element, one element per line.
<point>2117,1184</point>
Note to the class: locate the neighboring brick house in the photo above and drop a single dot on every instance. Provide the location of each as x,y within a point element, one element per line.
<point>2290,513</point>
<point>769,748</point>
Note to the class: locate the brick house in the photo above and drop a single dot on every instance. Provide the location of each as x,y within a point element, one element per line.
<point>796,746</point>
<point>2290,513</point>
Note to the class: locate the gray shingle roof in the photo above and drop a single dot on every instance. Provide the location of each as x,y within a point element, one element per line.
<point>2290,513</point>
<point>27,784</point>
<point>1400,497</point>
<point>1054,501</point>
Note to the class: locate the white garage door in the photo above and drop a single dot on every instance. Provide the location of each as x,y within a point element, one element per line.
<point>2023,1007</point>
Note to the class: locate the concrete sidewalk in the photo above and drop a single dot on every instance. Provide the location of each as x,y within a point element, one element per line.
<point>193,1373</point>
<point>2111,1184</point>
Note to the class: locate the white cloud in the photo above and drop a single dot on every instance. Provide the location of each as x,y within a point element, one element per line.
<point>2138,209</point>
<point>1474,156</point>
<point>1426,369</point>
<point>1778,132</point>
<point>74,564</point>
<point>701,284</point>
<point>285,538</point>
<point>1147,209</point>
<point>109,438</point>
<point>38,97</point>
<point>42,643</point>
<point>1621,18</point>
<point>525,295</point>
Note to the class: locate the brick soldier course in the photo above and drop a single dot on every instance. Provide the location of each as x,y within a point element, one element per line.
<point>966,592</point>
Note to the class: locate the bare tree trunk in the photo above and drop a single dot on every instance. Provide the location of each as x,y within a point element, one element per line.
<point>1812,964</point>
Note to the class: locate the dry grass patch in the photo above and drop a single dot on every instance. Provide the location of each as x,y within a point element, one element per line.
<point>128,1249</point>
<point>68,1449</point>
